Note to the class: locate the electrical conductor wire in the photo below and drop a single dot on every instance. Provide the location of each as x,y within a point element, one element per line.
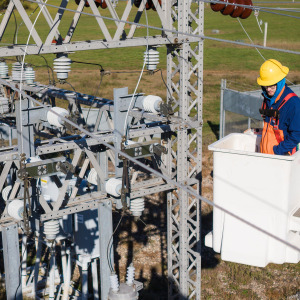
<point>173,30</point>
<point>250,39</point>
<point>256,48</point>
<point>139,163</point>
<point>109,245</point>
<point>166,178</point>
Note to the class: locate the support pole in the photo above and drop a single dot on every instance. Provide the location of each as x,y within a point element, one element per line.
<point>222,112</point>
<point>68,277</point>
<point>265,34</point>
<point>84,261</point>
<point>37,265</point>
<point>63,259</point>
<point>95,279</point>
<point>24,260</point>
<point>106,246</point>
<point>52,273</point>
<point>12,262</point>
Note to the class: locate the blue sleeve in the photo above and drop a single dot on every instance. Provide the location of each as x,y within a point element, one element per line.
<point>292,135</point>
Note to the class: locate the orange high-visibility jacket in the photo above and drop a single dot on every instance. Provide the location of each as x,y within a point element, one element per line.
<point>281,132</point>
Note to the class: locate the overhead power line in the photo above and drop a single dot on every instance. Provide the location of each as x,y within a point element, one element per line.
<point>279,14</point>
<point>166,178</point>
<point>186,34</point>
<point>170,180</point>
<point>279,2</point>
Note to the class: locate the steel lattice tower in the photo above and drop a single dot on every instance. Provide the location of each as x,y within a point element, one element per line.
<point>185,80</point>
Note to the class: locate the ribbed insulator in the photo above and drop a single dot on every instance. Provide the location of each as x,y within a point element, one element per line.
<point>29,75</point>
<point>233,10</point>
<point>130,275</point>
<point>137,206</point>
<point>92,177</point>
<point>56,120</point>
<point>114,282</point>
<point>17,72</point>
<point>247,12</point>
<point>51,229</point>
<point>62,66</point>
<point>4,105</point>
<point>15,209</point>
<point>151,58</point>
<point>3,70</point>
<point>6,192</point>
<point>151,103</point>
<point>113,187</point>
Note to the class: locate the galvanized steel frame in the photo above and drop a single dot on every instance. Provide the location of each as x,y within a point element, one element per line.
<point>185,82</point>
<point>185,85</point>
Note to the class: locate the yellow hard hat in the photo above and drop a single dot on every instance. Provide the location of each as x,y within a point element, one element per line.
<point>271,72</point>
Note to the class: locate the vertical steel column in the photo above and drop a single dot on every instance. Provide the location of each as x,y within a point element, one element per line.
<point>84,260</point>
<point>38,247</point>
<point>11,255</point>
<point>24,261</point>
<point>182,142</point>
<point>106,246</point>
<point>167,159</point>
<point>222,111</point>
<point>95,279</point>
<point>52,271</point>
<point>68,277</point>
<point>119,120</point>
<point>185,80</point>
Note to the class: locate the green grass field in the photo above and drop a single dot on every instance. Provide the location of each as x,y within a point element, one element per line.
<point>221,60</point>
<point>239,65</point>
<point>283,32</point>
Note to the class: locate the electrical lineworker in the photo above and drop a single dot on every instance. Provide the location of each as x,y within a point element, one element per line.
<point>280,111</point>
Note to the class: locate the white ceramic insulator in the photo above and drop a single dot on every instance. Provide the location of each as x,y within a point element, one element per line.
<point>113,187</point>
<point>29,75</point>
<point>137,206</point>
<point>151,58</point>
<point>51,229</point>
<point>4,107</point>
<point>130,275</point>
<point>62,66</point>
<point>151,103</point>
<point>17,71</point>
<point>54,119</point>
<point>3,70</point>
<point>15,209</point>
<point>114,282</point>
<point>92,177</point>
<point>5,192</point>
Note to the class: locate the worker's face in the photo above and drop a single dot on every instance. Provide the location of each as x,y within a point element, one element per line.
<point>271,90</point>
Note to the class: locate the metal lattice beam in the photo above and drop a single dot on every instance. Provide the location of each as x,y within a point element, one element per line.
<point>185,80</point>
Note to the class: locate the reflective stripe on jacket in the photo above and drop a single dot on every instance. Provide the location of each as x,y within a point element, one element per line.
<point>281,134</point>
